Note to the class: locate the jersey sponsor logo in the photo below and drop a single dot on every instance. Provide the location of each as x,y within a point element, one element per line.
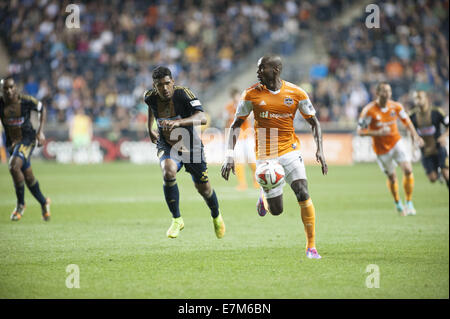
<point>267,114</point>
<point>288,101</point>
<point>15,121</point>
<point>195,103</point>
<point>386,123</point>
<point>426,131</point>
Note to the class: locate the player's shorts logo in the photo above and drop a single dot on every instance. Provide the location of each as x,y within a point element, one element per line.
<point>288,101</point>
<point>204,177</point>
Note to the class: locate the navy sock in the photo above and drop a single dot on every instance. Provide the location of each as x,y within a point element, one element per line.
<point>20,193</point>
<point>36,191</point>
<point>213,204</point>
<point>172,196</point>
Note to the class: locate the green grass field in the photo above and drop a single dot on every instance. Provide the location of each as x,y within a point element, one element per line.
<point>111,221</point>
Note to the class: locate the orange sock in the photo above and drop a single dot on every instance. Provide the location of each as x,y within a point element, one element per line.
<point>253,167</point>
<point>2,154</point>
<point>240,175</point>
<point>393,187</point>
<point>408,186</point>
<point>309,220</point>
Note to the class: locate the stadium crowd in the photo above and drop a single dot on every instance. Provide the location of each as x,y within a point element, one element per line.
<point>105,65</point>
<point>409,50</point>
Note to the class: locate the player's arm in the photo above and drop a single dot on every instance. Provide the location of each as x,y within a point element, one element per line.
<point>233,135</point>
<point>243,110</point>
<point>196,119</point>
<point>404,118</point>
<point>42,115</point>
<point>317,133</point>
<point>150,120</point>
<point>363,126</point>
<point>443,139</point>
<point>309,114</point>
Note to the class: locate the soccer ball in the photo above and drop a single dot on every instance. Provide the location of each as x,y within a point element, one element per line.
<point>269,174</point>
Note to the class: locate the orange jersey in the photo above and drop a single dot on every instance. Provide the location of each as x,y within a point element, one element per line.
<point>374,118</point>
<point>231,111</point>
<point>274,114</point>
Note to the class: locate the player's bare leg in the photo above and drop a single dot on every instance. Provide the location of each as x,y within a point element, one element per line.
<point>33,186</point>
<point>15,164</point>
<point>408,185</point>
<point>169,170</point>
<point>275,205</point>
<point>209,195</point>
<point>392,185</point>
<point>308,213</point>
<point>444,172</point>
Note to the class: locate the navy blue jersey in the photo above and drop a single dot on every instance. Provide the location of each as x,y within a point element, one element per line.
<point>183,104</point>
<point>15,118</point>
<point>428,126</point>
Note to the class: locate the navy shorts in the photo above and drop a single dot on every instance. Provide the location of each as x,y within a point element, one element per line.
<point>432,162</point>
<point>23,150</point>
<point>196,167</point>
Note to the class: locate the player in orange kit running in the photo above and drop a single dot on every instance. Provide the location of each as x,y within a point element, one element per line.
<point>274,103</point>
<point>245,146</point>
<point>379,120</point>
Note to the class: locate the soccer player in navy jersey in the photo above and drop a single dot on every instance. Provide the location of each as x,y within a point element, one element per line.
<point>177,111</point>
<point>21,138</point>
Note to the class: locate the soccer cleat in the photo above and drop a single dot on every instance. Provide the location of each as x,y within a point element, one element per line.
<point>261,205</point>
<point>175,228</point>
<point>312,253</point>
<point>219,226</point>
<point>410,210</point>
<point>18,212</point>
<point>400,209</point>
<point>46,210</point>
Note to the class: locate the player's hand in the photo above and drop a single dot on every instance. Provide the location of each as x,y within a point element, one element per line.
<point>419,141</point>
<point>259,87</point>
<point>227,166</point>
<point>320,158</point>
<point>168,125</point>
<point>443,140</point>
<point>153,136</point>
<point>40,138</point>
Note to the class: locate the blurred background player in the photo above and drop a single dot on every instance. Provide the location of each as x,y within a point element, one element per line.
<point>81,131</point>
<point>274,103</point>
<point>427,120</point>
<point>177,111</point>
<point>379,120</point>
<point>245,146</point>
<point>15,111</point>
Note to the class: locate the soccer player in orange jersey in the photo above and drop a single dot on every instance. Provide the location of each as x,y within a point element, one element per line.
<point>379,120</point>
<point>274,103</point>
<point>245,146</point>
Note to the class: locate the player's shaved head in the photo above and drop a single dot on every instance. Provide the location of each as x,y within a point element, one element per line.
<point>269,71</point>
<point>273,60</point>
